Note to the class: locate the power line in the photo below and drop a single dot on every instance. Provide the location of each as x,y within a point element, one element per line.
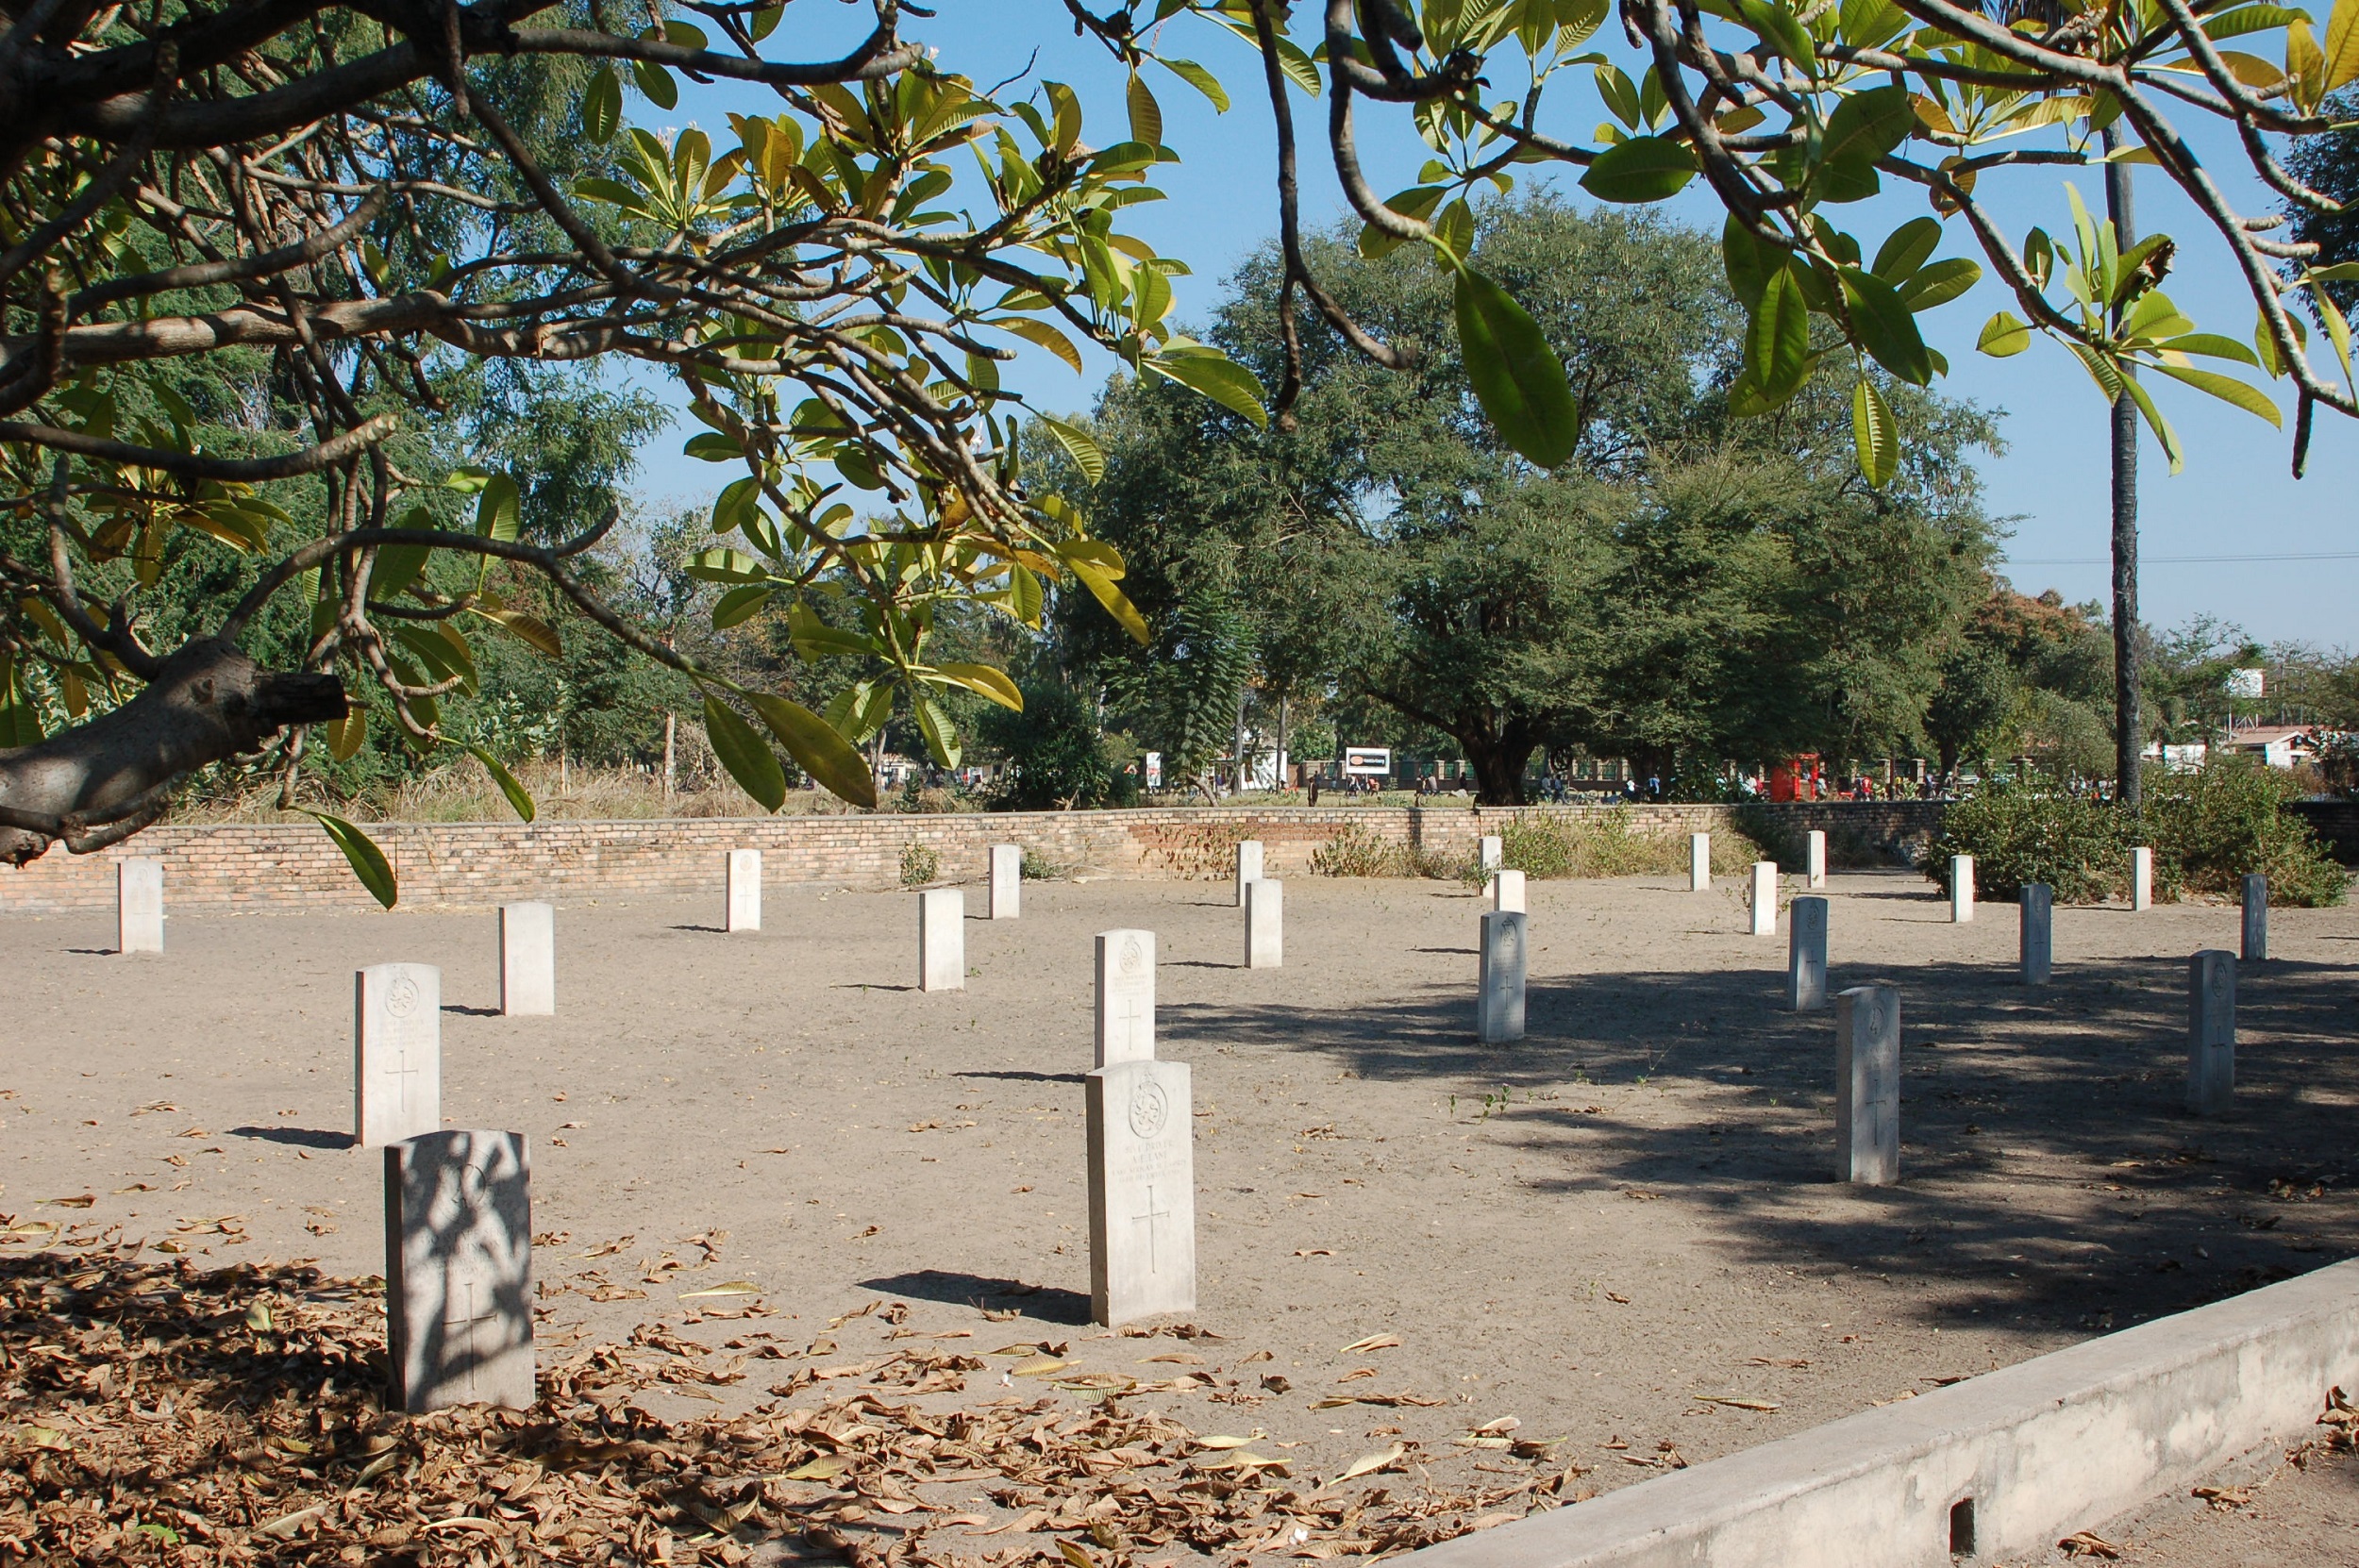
<point>2178,561</point>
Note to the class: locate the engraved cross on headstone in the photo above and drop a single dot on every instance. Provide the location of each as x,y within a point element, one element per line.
<point>402,1074</point>
<point>468,1360</point>
<point>1130,1015</point>
<point>1148,1220</point>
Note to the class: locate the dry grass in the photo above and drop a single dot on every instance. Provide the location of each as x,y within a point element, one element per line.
<point>463,792</point>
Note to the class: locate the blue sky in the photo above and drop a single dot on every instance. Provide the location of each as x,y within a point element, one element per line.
<point>2236,497</point>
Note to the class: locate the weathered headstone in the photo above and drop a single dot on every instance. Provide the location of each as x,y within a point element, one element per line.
<point>1491,852</point>
<point>1806,954</point>
<point>1699,861</point>
<point>1264,924</point>
<point>139,906</point>
<point>1125,997</point>
<point>1248,866</point>
<point>1507,892</point>
<point>397,1053</point>
<point>941,940</point>
<point>2211,1031</point>
<point>2141,878</point>
<point>2256,918</point>
<point>528,960</point>
<point>1815,858</point>
<point>1960,889</point>
<point>459,1271</point>
<point>744,910</point>
<point>1764,900</point>
<point>1007,881</point>
<point>1500,1008</point>
<point>1867,1085</point>
<point>1142,1185</point>
<point>2037,946</point>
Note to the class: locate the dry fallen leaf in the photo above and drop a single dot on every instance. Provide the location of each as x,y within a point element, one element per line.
<point>1738,1404</point>
<point>83,1202</point>
<point>1315,1252</point>
<point>1368,1464</point>
<point>2225,1498</point>
<point>1373,1342</point>
<point>2089,1543</point>
<point>731,1286</point>
<point>1617,1300</point>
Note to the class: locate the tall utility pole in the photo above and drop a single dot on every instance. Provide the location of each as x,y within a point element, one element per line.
<point>2126,730</point>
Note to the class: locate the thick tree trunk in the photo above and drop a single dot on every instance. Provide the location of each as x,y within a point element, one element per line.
<point>1499,767</point>
<point>99,782</point>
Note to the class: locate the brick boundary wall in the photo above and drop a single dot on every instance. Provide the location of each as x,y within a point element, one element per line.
<point>271,865</point>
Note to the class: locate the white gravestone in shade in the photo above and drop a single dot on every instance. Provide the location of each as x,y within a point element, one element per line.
<point>1960,889</point>
<point>1500,1008</point>
<point>2211,1031</point>
<point>1815,858</point>
<point>1264,924</point>
<point>2141,878</point>
<point>1763,902</point>
<point>1492,853</point>
<point>459,1271</point>
<point>1007,881</point>
<point>1867,1085</point>
<point>528,960</point>
<point>1248,866</point>
<point>941,940</point>
<point>139,906</point>
<point>744,910</point>
<point>1699,861</point>
<point>2256,918</point>
<point>1125,997</point>
<point>1507,892</point>
<point>1142,1187</point>
<point>1806,954</point>
<point>2035,945</point>
<point>397,1053</point>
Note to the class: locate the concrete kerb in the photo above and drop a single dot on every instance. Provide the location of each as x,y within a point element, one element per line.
<point>1999,1466</point>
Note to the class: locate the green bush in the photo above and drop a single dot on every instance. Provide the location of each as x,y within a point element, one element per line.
<point>1357,851</point>
<point>1600,842</point>
<point>2207,829</point>
<point>919,864</point>
<point>1040,868</point>
<point>2210,827</point>
<point>1056,758</point>
<point>2019,834</point>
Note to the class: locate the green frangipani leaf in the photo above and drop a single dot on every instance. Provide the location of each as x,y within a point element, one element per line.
<point>2228,389</point>
<point>743,752</point>
<point>1517,377</point>
<point>1874,433</point>
<point>1216,376</point>
<point>519,798</point>
<point>818,748</point>
<point>1777,342</point>
<point>368,862</point>
<point>1080,445</point>
<point>1643,169</point>
<point>2003,335</point>
<point>942,735</point>
<point>1884,328</point>
<point>602,106</point>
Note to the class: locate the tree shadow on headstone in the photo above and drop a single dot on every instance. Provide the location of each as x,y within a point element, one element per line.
<point>2050,1176</point>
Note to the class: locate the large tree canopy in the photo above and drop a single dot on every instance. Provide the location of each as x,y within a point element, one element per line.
<point>248,240</point>
<point>1686,585</point>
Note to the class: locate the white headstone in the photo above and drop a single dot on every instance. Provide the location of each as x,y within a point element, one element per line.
<point>1815,859</point>
<point>1125,997</point>
<point>397,1053</point>
<point>744,892</point>
<point>1507,892</point>
<point>459,1271</point>
<point>2141,878</point>
<point>2256,918</point>
<point>139,906</point>
<point>941,940</point>
<point>1867,1085</point>
<point>1007,881</point>
<point>1806,954</point>
<point>2211,1031</point>
<point>1763,902</point>
<point>528,960</point>
<point>1492,853</point>
<point>1264,924</point>
<point>1699,861</point>
<point>1248,866</point>
<point>1499,1007</point>
<point>1142,1187</point>
<point>1960,889</point>
<point>2037,940</point>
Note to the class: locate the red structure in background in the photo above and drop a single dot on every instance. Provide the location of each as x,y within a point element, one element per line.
<point>1797,779</point>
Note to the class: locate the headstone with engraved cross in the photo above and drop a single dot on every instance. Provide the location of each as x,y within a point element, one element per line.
<point>740,905</point>
<point>2035,932</point>
<point>2256,918</point>
<point>1500,1006</point>
<point>397,1053</point>
<point>459,1271</point>
<point>1125,997</point>
<point>1141,1185</point>
<point>1806,954</point>
<point>1007,881</point>
<point>1867,1085</point>
<point>139,906</point>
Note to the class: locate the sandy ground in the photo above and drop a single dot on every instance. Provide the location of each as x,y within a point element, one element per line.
<point>1604,1231</point>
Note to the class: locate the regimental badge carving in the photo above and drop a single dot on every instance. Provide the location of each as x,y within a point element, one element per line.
<point>1133,958</point>
<point>401,996</point>
<point>1149,1107</point>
